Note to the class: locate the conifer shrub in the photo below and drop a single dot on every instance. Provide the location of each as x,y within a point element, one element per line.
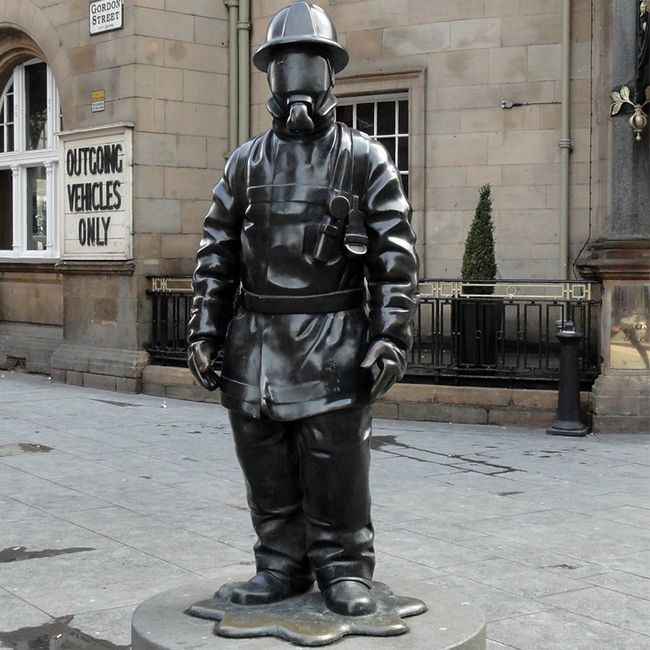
<point>479,261</point>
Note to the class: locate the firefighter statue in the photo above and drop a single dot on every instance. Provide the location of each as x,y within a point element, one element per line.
<point>305,290</point>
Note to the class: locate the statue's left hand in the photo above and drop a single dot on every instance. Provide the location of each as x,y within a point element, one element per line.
<point>389,362</point>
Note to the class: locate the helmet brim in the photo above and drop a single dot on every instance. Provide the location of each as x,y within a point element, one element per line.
<point>335,52</point>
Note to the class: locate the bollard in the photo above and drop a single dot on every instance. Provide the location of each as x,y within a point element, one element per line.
<point>568,421</point>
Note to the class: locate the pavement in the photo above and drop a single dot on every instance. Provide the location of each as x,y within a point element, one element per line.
<point>107,499</point>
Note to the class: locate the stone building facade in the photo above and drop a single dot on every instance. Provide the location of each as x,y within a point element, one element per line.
<point>481,82</point>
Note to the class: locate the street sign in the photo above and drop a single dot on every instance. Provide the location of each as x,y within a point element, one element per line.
<point>96,197</point>
<point>97,100</point>
<point>106,15</point>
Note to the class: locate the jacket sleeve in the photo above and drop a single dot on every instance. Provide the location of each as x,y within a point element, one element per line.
<point>391,260</point>
<point>216,278</point>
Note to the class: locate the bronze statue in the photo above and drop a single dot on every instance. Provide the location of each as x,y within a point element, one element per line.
<point>305,290</point>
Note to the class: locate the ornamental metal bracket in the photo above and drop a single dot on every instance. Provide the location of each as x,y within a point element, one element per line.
<point>639,118</point>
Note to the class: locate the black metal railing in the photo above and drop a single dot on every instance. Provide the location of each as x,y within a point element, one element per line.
<point>171,299</point>
<point>500,333</point>
<point>503,332</point>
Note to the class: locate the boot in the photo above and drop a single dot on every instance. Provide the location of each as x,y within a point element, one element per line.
<point>263,588</point>
<point>350,597</point>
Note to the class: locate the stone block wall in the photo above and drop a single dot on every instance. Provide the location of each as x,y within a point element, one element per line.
<point>180,89</point>
<point>622,403</point>
<point>497,406</point>
<point>473,55</point>
<point>165,72</point>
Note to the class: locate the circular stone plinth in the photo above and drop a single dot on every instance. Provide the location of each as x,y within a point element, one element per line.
<point>451,623</point>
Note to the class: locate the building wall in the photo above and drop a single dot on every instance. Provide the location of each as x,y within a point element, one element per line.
<point>166,73</point>
<point>601,135</point>
<point>473,55</point>
<point>180,88</point>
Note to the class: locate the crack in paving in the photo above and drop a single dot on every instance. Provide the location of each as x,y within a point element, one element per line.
<point>378,442</point>
<point>115,402</point>
<point>20,553</point>
<point>57,634</point>
<point>569,567</point>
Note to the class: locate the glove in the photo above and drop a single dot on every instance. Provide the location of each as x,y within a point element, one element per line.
<point>202,356</point>
<point>387,361</point>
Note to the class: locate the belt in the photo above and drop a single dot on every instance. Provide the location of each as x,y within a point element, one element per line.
<point>319,303</point>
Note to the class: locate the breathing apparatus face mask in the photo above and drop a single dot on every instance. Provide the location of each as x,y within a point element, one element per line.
<point>301,83</point>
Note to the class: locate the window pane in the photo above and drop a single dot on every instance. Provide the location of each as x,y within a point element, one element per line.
<point>389,143</point>
<point>36,208</point>
<point>344,114</point>
<point>403,116</point>
<point>6,210</point>
<point>6,120</point>
<point>366,118</point>
<point>403,154</point>
<point>385,118</point>
<point>405,183</point>
<point>36,105</point>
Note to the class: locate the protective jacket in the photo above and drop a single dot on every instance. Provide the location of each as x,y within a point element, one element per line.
<point>295,329</point>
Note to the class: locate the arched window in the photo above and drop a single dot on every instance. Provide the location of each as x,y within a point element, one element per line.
<point>29,120</point>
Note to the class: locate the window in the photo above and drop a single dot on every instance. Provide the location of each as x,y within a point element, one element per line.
<point>29,118</point>
<point>385,118</point>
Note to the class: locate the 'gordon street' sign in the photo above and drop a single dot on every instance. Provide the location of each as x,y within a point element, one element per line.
<point>106,15</point>
<point>96,193</point>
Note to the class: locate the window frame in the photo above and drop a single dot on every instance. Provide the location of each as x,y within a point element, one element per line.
<point>21,159</point>
<point>376,98</point>
<point>411,82</point>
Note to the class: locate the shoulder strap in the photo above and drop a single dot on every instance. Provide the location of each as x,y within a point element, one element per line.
<point>351,166</point>
<point>359,171</point>
<point>342,164</point>
<point>356,238</point>
<point>242,172</point>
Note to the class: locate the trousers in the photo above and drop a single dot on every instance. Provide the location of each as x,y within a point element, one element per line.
<point>308,492</point>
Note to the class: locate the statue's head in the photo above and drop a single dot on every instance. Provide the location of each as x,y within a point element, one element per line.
<point>301,56</point>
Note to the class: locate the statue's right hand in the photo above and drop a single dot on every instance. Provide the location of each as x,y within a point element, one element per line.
<point>201,359</point>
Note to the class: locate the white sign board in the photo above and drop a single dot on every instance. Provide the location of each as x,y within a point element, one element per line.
<point>106,15</point>
<point>97,100</point>
<point>96,191</point>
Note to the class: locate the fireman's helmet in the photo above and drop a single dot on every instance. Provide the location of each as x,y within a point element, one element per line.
<point>302,22</point>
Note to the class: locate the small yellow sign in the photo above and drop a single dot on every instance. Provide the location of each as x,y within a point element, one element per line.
<point>97,100</point>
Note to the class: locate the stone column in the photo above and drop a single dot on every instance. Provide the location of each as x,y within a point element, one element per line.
<point>620,256</point>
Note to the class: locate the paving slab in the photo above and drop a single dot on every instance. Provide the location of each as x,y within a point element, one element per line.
<point>16,613</point>
<point>550,536</point>
<point>561,630</point>
<point>495,603</point>
<point>626,583</point>
<point>606,605</point>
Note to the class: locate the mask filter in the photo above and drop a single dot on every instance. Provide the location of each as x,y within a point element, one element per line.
<point>299,120</point>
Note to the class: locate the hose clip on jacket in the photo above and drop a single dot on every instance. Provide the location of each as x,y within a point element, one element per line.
<point>356,239</point>
<point>331,232</point>
<point>343,222</point>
